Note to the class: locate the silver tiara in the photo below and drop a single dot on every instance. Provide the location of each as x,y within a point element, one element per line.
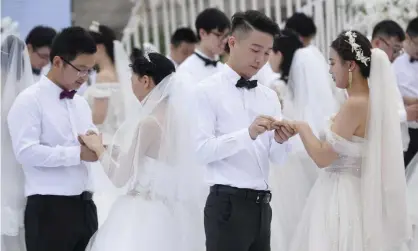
<point>95,26</point>
<point>355,47</point>
<point>147,49</point>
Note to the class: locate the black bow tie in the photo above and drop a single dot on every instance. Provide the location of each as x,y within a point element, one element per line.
<point>413,60</point>
<point>207,60</point>
<point>248,84</point>
<point>67,94</point>
<point>37,72</point>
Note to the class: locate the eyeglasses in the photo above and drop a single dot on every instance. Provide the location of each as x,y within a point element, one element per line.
<point>220,36</point>
<point>396,49</point>
<point>80,73</point>
<point>42,56</point>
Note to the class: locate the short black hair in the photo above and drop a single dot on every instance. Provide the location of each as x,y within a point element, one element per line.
<point>388,28</point>
<point>301,24</point>
<point>71,42</point>
<point>184,34</point>
<point>253,19</point>
<point>287,43</point>
<point>210,19</point>
<point>412,29</point>
<point>105,36</point>
<point>40,36</point>
<point>157,67</point>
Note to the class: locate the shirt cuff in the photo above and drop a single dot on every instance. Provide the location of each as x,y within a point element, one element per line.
<point>71,155</point>
<point>402,116</point>
<point>279,152</point>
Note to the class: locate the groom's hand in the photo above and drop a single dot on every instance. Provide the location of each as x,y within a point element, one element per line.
<point>282,131</point>
<point>87,155</point>
<point>80,139</point>
<point>260,125</point>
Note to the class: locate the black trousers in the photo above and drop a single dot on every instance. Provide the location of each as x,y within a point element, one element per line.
<point>237,219</point>
<point>413,146</point>
<point>64,223</point>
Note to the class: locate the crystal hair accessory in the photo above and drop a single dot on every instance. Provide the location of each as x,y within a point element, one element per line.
<point>356,47</point>
<point>8,27</point>
<point>95,26</point>
<point>147,50</point>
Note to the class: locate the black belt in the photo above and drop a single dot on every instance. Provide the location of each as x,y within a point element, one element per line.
<point>83,196</point>
<point>248,194</point>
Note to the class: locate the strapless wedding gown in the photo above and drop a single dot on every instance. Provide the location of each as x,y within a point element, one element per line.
<point>332,217</point>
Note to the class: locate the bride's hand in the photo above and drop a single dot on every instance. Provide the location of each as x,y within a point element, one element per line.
<point>93,141</point>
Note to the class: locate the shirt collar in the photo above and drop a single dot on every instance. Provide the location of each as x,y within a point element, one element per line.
<point>230,74</point>
<point>51,86</point>
<point>204,55</point>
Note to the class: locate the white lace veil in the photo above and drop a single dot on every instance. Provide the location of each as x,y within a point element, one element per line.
<point>160,131</point>
<point>16,75</point>
<point>383,185</point>
<point>158,141</point>
<point>309,82</point>
<point>124,73</point>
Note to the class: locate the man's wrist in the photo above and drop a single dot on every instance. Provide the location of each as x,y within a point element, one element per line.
<point>251,136</point>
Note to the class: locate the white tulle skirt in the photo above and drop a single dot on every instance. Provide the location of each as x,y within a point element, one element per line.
<point>13,243</point>
<point>105,193</point>
<point>412,196</point>
<point>157,214</point>
<point>290,185</point>
<point>331,219</point>
<point>134,224</point>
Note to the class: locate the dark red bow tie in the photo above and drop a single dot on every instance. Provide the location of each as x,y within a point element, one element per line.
<point>67,94</point>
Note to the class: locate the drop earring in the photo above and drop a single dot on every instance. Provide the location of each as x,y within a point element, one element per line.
<point>350,78</point>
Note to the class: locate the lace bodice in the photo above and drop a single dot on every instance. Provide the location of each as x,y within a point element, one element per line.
<point>349,152</point>
<point>115,113</point>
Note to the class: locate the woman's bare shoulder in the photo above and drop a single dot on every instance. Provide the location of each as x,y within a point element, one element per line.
<point>356,104</point>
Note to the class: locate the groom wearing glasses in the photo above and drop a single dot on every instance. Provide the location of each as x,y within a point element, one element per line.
<point>44,122</point>
<point>39,42</point>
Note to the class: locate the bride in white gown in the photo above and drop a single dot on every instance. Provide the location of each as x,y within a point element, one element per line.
<point>358,202</point>
<point>152,152</point>
<point>16,75</point>
<point>111,103</point>
<point>306,96</point>
<point>412,192</point>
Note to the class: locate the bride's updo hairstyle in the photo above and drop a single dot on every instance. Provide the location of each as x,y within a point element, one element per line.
<point>287,43</point>
<point>105,36</point>
<point>157,67</point>
<point>345,50</point>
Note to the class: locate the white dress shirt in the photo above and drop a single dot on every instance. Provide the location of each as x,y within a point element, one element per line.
<point>196,68</point>
<point>223,140</point>
<point>407,77</point>
<point>44,132</point>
